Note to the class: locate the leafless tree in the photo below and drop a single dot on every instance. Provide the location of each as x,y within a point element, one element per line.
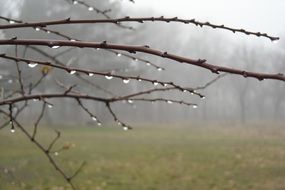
<point>35,70</point>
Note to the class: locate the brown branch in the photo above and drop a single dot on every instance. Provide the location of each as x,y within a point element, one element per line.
<point>119,122</point>
<point>46,152</point>
<point>147,50</point>
<point>148,63</point>
<point>38,121</point>
<point>139,20</point>
<point>107,75</point>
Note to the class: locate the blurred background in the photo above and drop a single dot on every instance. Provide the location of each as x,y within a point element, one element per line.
<point>232,99</point>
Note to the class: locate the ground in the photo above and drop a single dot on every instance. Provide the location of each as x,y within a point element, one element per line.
<point>150,158</point>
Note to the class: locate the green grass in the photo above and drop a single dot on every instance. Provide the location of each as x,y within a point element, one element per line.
<point>150,158</point>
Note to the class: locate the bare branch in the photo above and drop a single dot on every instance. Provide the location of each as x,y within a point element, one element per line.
<point>139,20</point>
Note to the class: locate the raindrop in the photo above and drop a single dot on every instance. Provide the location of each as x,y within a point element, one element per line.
<point>90,8</point>
<point>90,74</point>
<point>72,72</point>
<point>148,64</point>
<point>139,80</point>
<point>108,77</point>
<point>275,41</point>
<point>75,2</point>
<point>194,106</point>
<point>159,69</point>
<point>72,40</point>
<point>35,99</point>
<point>12,130</point>
<point>126,81</point>
<point>50,105</point>
<point>119,55</point>
<point>56,153</point>
<point>32,65</point>
<point>155,83</point>
<point>99,124</point>
<point>55,47</point>
<point>130,101</point>
<point>94,118</point>
<point>11,22</point>
<point>126,128</point>
<point>203,97</point>
<point>165,84</point>
<point>119,123</point>
<point>169,102</point>
<point>97,48</point>
<point>48,31</point>
<point>37,29</point>
<point>10,81</point>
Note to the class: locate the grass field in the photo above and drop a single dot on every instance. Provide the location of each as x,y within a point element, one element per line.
<point>150,158</point>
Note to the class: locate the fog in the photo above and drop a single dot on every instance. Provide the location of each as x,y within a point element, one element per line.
<point>231,99</point>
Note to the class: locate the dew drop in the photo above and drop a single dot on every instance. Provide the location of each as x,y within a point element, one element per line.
<point>12,130</point>
<point>94,118</point>
<point>108,77</point>
<point>119,55</point>
<point>148,64</point>
<point>194,106</point>
<point>139,80</point>
<point>11,22</point>
<point>72,40</point>
<point>37,29</point>
<point>55,47</point>
<point>165,84</point>
<point>130,101</point>
<point>155,83</point>
<point>275,41</point>
<point>126,81</point>
<point>126,128</point>
<point>50,106</point>
<point>90,74</point>
<point>75,2</point>
<point>56,153</point>
<point>48,31</point>
<point>72,72</point>
<point>169,102</point>
<point>90,8</point>
<point>99,124</point>
<point>203,97</point>
<point>159,69</point>
<point>32,65</point>
<point>97,48</point>
<point>119,123</point>
<point>35,99</point>
<point>10,81</point>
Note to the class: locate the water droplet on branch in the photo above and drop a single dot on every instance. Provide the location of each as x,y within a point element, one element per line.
<point>90,8</point>
<point>169,102</point>
<point>126,81</point>
<point>32,65</point>
<point>55,47</point>
<point>108,77</point>
<point>72,72</point>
